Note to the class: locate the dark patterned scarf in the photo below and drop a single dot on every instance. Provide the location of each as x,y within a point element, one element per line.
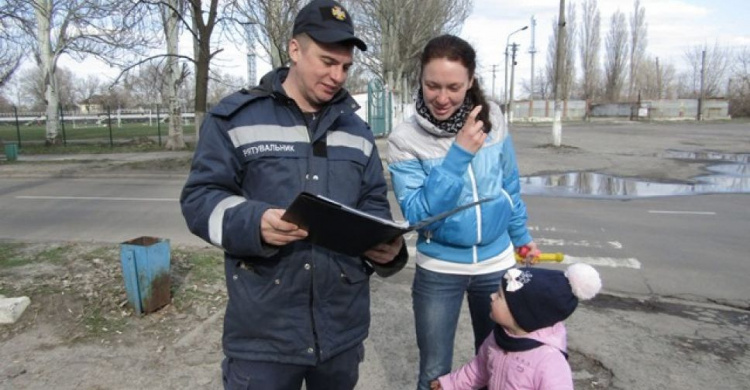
<point>452,124</point>
<point>516,344</point>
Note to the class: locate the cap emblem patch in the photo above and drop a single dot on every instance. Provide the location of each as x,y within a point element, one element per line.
<point>338,13</point>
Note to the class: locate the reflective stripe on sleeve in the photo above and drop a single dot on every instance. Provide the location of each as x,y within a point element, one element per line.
<point>340,138</point>
<point>216,220</point>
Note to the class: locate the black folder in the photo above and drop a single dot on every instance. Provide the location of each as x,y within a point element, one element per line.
<point>347,230</point>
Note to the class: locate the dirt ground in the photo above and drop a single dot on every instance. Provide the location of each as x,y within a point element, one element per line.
<point>80,333</point>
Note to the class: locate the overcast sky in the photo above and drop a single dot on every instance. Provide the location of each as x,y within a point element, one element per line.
<point>673,26</point>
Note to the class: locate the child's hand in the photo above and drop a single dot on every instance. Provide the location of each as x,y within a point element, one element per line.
<point>435,385</point>
<point>529,253</point>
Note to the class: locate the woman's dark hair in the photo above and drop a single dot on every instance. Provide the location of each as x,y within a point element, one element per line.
<point>454,48</point>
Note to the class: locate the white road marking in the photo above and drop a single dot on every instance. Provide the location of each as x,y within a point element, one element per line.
<point>544,242</point>
<point>681,212</point>
<point>117,198</point>
<point>604,261</point>
<point>595,261</point>
<point>550,229</point>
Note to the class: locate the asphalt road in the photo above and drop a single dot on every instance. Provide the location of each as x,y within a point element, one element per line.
<point>662,246</point>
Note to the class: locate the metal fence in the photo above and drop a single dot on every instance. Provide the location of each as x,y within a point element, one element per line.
<point>92,119</point>
<point>29,127</point>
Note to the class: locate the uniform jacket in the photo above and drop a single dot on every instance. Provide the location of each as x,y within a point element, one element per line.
<point>432,174</point>
<point>542,368</point>
<point>298,303</point>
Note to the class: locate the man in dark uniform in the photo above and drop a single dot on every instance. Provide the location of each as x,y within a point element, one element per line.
<point>296,312</point>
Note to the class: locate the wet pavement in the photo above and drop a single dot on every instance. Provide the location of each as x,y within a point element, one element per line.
<point>732,175</point>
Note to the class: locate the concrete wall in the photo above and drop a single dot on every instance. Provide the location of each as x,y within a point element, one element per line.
<point>663,109</point>
<point>544,110</point>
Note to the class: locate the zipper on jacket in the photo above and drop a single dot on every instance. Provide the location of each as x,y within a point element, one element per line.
<point>312,312</point>
<point>477,210</point>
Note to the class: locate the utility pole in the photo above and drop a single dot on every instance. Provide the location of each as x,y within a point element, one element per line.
<point>509,115</point>
<point>505,89</point>
<point>251,72</point>
<point>493,80</point>
<point>557,122</point>
<point>658,80</point>
<point>703,89</point>
<point>532,51</point>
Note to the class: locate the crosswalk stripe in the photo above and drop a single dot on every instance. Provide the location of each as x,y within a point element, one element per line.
<point>604,261</point>
<point>613,262</point>
<point>117,198</point>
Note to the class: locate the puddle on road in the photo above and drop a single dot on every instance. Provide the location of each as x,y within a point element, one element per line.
<point>730,174</point>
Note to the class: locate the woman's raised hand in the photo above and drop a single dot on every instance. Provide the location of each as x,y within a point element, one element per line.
<point>471,137</point>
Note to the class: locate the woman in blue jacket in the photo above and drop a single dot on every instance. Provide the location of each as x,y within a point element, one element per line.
<point>455,150</point>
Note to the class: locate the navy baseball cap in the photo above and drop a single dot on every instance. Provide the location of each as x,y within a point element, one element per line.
<point>327,21</point>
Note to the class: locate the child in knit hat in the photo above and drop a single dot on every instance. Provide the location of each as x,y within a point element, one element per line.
<point>527,348</point>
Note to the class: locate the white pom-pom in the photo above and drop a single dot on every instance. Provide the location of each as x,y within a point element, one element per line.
<point>584,280</point>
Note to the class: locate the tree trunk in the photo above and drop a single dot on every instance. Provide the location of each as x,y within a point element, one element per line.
<point>201,84</point>
<point>176,139</point>
<point>43,14</point>
<point>557,121</point>
<point>202,55</point>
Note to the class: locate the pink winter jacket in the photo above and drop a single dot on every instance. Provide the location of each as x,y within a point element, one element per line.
<point>541,368</point>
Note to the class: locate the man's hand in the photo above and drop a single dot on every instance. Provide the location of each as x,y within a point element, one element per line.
<point>275,231</point>
<point>435,385</point>
<point>386,252</point>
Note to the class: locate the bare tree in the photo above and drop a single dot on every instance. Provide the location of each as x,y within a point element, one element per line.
<point>715,72</point>
<point>147,84</point>
<point>590,47</point>
<point>200,20</point>
<point>170,16</point>
<point>33,85</point>
<point>203,23</point>
<point>268,22</point>
<point>358,78</point>
<point>567,81</point>
<point>549,68</point>
<point>656,80</point>
<point>88,87</point>
<point>668,81</point>
<point>649,82</point>
<point>222,85</point>
<point>5,104</point>
<point>567,69</point>
<point>11,51</point>
<point>397,30</point>
<point>616,57</point>
<point>78,28</point>
<point>542,87</point>
<point>638,30</point>
<point>739,85</point>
